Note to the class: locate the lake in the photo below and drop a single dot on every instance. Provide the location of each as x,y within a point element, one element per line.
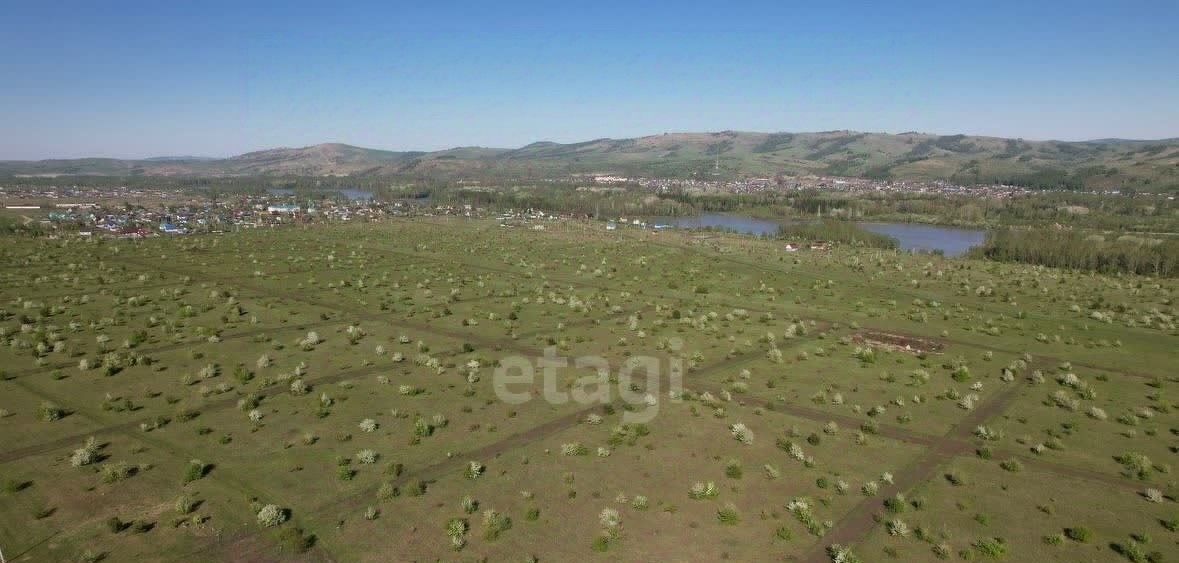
<point>952,241</point>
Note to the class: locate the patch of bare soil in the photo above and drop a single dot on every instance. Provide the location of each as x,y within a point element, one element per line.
<point>898,342</point>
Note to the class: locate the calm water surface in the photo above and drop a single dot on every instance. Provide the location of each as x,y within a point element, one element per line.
<point>952,241</point>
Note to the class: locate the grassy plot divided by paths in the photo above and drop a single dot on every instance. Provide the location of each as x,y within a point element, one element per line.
<point>346,375</point>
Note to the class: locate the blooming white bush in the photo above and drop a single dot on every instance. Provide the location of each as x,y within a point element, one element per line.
<point>741,433</point>
<point>82,457</point>
<point>987,434</point>
<point>897,527</point>
<point>1153,495</point>
<point>967,402</point>
<point>271,516</point>
<point>841,554</point>
<point>610,518</point>
<point>255,415</point>
<point>311,339</point>
<point>573,448</point>
<point>1062,399</point>
<point>367,456</point>
<point>474,470</point>
<point>703,490</point>
<point>368,425</point>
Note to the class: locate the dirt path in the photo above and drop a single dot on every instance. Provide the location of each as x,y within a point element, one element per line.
<point>856,524</point>
<point>453,465</point>
<point>218,404</point>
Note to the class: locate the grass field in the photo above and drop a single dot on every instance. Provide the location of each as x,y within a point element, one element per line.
<point>330,394</point>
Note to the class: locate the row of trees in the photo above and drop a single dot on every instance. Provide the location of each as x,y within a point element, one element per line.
<point>843,232</point>
<point>1079,251</point>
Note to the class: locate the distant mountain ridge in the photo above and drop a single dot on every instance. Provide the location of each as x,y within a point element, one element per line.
<point>179,158</point>
<point>1096,164</point>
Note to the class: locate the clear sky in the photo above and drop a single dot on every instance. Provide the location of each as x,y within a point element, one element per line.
<point>131,79</point>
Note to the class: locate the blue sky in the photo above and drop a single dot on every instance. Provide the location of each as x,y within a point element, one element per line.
<point>130,79</point>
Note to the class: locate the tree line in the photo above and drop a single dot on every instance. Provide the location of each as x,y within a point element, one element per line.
<point>1074,250</point>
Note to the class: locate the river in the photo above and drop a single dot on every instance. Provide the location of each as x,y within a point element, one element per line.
<point>951,241</point>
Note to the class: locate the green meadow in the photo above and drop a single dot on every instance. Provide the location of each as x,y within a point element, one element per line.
<point>337,393</point>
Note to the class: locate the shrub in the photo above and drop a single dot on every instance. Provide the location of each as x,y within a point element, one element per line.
<point>771,471</point>
<point>991,547</point>
<point>610,519</point>
<point>185,504</point>
<point>895,504</point>
<point>1012,465</point>
<point>367,457</point>
<point>733,469</point>
<point>195,470</point>
<point>295,540</point>
<point>741,433</point>
<point>841,554</point>
<point>897,527</point>
<point>114,472</point>
<point>474,470</point>
<point>387,491</point>
<point>494,524</point>
<point>82,457</point>
<point>1136,464</point>
<point>115,525</point>
<point>728,515</point>
<point>702,490</point>
<point>271,515</point>
<point>1153,495</point>
<point>50,412</point>
<point>456,529</point>
<point>1078,534</point>
<point>573,449</point>
<point>421,428</point>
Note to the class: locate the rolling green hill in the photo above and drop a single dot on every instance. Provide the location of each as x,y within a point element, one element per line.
<point>1099,164</point>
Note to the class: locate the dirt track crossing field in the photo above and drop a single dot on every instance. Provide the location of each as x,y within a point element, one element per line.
<point>409,325</point>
